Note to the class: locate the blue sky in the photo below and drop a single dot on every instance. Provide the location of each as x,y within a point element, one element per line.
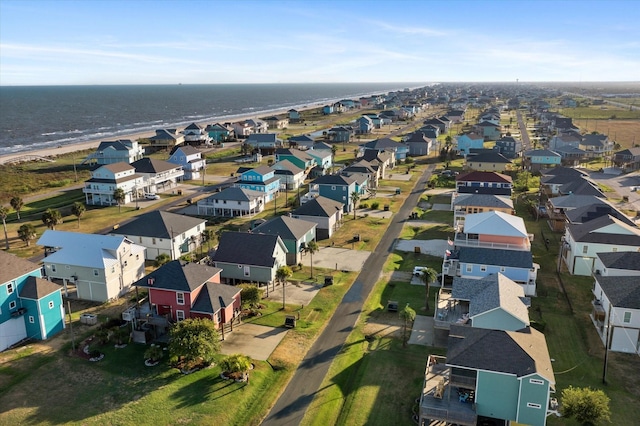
<point>161,41</point>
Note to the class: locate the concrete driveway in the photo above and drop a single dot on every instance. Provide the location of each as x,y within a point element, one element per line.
<point>338,258</point>
<point>622,185</point>
<point>296,293</point>
<point>255,341</point>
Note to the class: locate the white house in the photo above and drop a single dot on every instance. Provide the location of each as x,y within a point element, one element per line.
<point>158,175</point>
<point>326,212</point>
<point>602,235</point>
<point>109,152</point>
<point>162,232</point>
<point>190,159</point>
<point>102,267</point>
<point>616,312</point>
<point>106,179</point>
<point>232,202</point>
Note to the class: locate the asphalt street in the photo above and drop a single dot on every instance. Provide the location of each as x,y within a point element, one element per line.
<point>290,408</point>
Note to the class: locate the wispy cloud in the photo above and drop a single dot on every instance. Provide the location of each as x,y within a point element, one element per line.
<point>409,30</point>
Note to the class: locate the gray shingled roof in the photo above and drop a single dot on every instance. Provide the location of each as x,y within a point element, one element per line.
<point>118,167</point>
<point>319,206</point>
<point>520,353</point>
<point>213,297</point>
<point>590,212</point>
<point>149,165</point>
<point>622,292</point>
<point>478,176</point>
<point>37,288</point>
<point>334,180</point>
<point>236,194</point>
<point>581,187</point>
<point>588,232</point>
<point>497,257</point>
<point>483,200</point>
<point>628,260</point>
<point>12,267</point>
<point>287,167</point>
<point>179,276</point>
<point>488,157</point>
<point>247,249</point>
<point>383,144</point>
<point>575,201</point>
<point>492,292</point>
<point>286,227</point>
<point>159,224</point>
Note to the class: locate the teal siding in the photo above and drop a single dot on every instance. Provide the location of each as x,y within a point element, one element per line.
<point>497,395</point>
<point>52,317</point>
<point>535,394</point>
<point>256,273</point>
<point>498,320</point>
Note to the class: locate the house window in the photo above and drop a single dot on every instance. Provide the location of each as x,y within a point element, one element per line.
<point>31,319</point>
<point>113,269</point>
<point>184,235</point>
<point>469,268</point>
<point>179,315</point>
<point>10,288</point>
<point>627,317</point>
<point>585,249</point>
<point>536,381</point>
<point>140,240</point>
<point>51,304</point>
<point>615,249</point>
<point>333,187</point>
<point>218,317</point>
<point>483,268</point>
<point>532,405</point>
<point>12,304</point>
<point>53,268</point>
<point>95,272</point>
<point>502,269</point>
<point>180,298</point>
<point>247,271</point>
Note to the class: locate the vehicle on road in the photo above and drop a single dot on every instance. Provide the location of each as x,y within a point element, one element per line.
<point>151,196</point>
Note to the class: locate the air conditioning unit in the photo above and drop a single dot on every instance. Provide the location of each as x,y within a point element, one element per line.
<point>129,314</point>
<point>72,279</point>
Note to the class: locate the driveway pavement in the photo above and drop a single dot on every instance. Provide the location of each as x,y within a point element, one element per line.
<point>432,247</point>
<point>296,293</point>
<point>622,185</point>
<point>255,341</point>
<point>338,258</point>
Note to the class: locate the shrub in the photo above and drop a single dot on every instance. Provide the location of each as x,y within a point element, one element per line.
<point>364,206</point>
<point>375,205</point>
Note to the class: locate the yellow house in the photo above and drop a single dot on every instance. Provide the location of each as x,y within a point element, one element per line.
<point>488,162</point>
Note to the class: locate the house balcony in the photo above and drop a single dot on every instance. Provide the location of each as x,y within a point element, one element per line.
<point>451,267</point>
<point>598,318</point>
<point>441,400</point>
<point>471,240</point>
<point>450,311</point>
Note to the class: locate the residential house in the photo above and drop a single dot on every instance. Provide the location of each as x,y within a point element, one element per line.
<point>552,179</point>
<point>493,229</point>
<point>596,145</point>
<point>364,125</point>
<point>484,183</point>
<point>110,152</point>
<point>557,208</point>
<point>325,212</point>
<point>508,146</point>
<point>494,302</point>
<point>232,202</point>
<point>302,142</point>
<point>265,143</point>
<point>295,234</point>
<point>194,134</point>
<point>467,141</point>
<point>419,144</point>
<point>294,116</point>
<point>616,312</point>
<point>441,125</point>
<point>219,132</point>
<point>101,267</point>
<point>179,290</point>
<point>594,210</point>
<point>291,176</point>
<point>166,139</point>
<point>617,264</point>
<point>605,234</point>
<point>249,257</point>
<point>276,122</point>
<point>323,159</point>
<point>336,187</point>
<point>539,159</point>
<point>488,162</point>
<point>464,204</point>
<point>162,232</point>
<point>257,126</point>
<point>364,168</point>
<point>399,149</point>
<point>242,129</point>
<point>340,133</point>
<point>582,186</point>
<point>455,115</point>
<point>300,159</point>
<point>571,156</point>
<point>31,307</point>
<point>379,160</point>
<point>327,109</point>
<point>565,139</point>
<point>261,179</point>
<point>189,159</point>
<point>106,179</point>
<point>158,175</point>
<point>489,131</point>
<point>430,131</point>
<point>627,159</point>
<point>513,384</point>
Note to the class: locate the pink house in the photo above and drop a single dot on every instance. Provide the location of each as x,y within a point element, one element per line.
<point>180,290</point>
<point>493,229</point>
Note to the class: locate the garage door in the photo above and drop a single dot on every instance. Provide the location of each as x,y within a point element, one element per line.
<point>11,332</point>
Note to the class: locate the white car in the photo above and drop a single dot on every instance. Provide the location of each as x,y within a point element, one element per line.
<point>151,196</point>
<point>417,270</point>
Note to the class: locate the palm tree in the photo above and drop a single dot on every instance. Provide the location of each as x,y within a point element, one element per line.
<point>282,275</point>
<point>334,149</point>
<point>119,196</point>
<point>355,197</point>
<point>311,248</point>
<point>27,233</point>
<point>161,259</point>
<point>428,275</point>
<point>17,204</point>
<point>4,212</point>
<point>406,314</point>
<point>78,210</point>
<point>51,218</point>
<point>207,235</point>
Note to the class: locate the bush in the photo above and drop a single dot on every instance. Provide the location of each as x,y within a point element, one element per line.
<point>375,205</point>
<point>364,206</point>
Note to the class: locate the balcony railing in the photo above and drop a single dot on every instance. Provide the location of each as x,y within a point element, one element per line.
<point>461,240</point>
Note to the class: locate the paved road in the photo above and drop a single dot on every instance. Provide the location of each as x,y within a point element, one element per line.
<point>292,404</point>
<point>526,143</point>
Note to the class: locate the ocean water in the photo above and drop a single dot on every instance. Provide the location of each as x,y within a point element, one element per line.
<point>39,117</point>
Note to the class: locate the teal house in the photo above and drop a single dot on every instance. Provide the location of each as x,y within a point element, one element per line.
<point>336,187</point>
<point>539,159</point>
<point>261,179</point>
<point>299,158</point>
<point>30,306</point>
<point>218,132</point>
<point>295,234</point>
<point>500,375</point>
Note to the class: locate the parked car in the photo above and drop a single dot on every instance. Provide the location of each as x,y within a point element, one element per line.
<point>151,196</point>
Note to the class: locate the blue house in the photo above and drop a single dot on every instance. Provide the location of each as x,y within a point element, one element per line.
<point>364,125</point>
<point>340,133</point>
<point>336,187</point>
<point>30,306</point>
<point>218,132</point>
<point>490,131</point>
<point>327,109</point>
<point>508,146</point>
<point>399,149</point>
<point>294,115</point>
<point>468,141</point>
<point>538,159</point>
<point>261,179</point>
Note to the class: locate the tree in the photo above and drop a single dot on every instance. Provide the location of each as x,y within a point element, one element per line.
<point>194,341</point>
<point>78,210</point>
<point>334,149</point>
<point>448,141</point>
<point>355,197</point>
<point>161,259</point>
<point>311,248</point>
<point>250,295</point>
<point>51,218</point>
<point>236,364</point>
<point>119,196</point>
<point>4,212</point>
<point>586,405</point>
<point>207,235</point>
<point>27,233</point>
<point>282,275</point>
<point>428,275</point>
<point>17,204</point>
<point>406,314</point>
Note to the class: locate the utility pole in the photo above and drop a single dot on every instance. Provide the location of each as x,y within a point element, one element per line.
<point>607,344</point>
<point>73,340</point>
